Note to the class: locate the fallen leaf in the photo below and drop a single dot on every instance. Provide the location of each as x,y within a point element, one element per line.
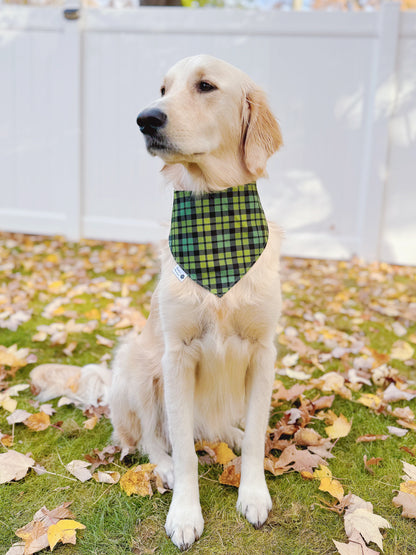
<point>232,473</point>
<point>410,470</point>
<point>308,436</point>
<point>370,400</point>
<point>34,535</point>
<point>356,546</point>
<point>340,427</point>
<point>138,480</point>
<point>300,460</point>
<point>106,477</point>
<point>219,451</point>
<point>13,357</point>
<point>404,413</point>
<point>63,531</point>
<point>401,350</point>
<point>369,437</point>
<point>408,502</point>
<point>359,517</point>
<point>14,466</point>
<point>91,422</point>
<point>38,422</point>
<point>328,483</point>
<point>104,341</point>
<point>9,404</point>
<point>18,416</point>
<point>400,432</point>
<point>393,393</point>
<point>79,469</point>
<point>409,486</point>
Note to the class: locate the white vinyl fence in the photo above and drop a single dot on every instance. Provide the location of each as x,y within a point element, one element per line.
<point>343,86</point>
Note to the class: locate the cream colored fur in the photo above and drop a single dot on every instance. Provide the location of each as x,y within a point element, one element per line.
<point>203,367</point>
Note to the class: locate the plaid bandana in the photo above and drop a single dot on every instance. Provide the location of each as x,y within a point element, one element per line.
<point>216,238</point>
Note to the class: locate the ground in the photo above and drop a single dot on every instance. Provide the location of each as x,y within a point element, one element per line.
<point>348,329</point>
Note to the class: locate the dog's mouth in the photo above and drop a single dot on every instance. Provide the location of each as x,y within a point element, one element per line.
<point>157,145</point>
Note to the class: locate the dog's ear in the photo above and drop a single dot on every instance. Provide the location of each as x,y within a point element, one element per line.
<point>261,132</point>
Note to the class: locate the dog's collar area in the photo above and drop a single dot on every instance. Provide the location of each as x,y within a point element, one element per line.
<point>217,237</point>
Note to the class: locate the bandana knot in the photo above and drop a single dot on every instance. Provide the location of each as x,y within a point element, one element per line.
<point>217,237</point>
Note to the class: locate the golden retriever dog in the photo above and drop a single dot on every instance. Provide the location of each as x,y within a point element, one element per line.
<point>203,367</point>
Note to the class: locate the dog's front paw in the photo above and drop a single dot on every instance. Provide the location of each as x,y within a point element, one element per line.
<point>255,504</point>
<point>184,523</point>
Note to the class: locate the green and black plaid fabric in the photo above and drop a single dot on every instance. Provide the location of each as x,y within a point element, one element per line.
<point>216,237</point>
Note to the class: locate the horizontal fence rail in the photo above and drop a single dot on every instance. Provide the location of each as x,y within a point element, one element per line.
<point>343,86</point>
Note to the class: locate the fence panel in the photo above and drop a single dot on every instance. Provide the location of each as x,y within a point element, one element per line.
<point>39,121</point>
<point>398,240</point>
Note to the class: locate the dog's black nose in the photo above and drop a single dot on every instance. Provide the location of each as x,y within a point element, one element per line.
<point>150,121</point>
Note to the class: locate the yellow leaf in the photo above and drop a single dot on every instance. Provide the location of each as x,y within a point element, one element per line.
<point>370,400</point>
<point>328,483</point>
<point>93,314</point>
<point>402,350</point>
<point>9,404</point>
<point>13,357</point>
<point>340,427</point>
<point>137,480</point>
<point>63,531</point>
<point>224,453</point>
<point>38,422</point>
<point>409,487</point>
<point>219,451</point>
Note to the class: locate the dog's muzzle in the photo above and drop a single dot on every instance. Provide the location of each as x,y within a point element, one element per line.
<point>151,121</point>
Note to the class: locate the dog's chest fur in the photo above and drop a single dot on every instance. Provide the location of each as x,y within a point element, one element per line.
<point>221,334</point>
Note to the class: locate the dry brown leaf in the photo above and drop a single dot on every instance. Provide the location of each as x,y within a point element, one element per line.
<point>410,470</point>
<point>38,422</point>
<point>14,466</point>
<point>369,437</point>
<point>359,518</point>
<point>106,477</point>
<point>408,502</point>
<point>18,416</point>
<point>300,460</point>
<point>283,394</point>
<point>308,436</point>
<point>232,473</point>
<point>393,393</point>
<point>35,536</point>
<point>371,462</point>
<point>356,546</point>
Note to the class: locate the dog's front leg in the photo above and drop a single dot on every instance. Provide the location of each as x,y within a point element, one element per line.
<point>254,500</point>
<point>184,523</point>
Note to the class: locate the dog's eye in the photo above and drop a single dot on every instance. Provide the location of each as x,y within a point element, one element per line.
<point>162,91</point>
<point>204,86</point>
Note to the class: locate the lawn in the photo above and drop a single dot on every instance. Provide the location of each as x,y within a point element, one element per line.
<point>348,330</point>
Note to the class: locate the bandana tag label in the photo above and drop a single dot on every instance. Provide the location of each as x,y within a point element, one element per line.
<point>179,273</point>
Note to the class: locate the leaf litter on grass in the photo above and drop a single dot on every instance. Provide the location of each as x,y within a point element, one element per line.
<point>348,333</point>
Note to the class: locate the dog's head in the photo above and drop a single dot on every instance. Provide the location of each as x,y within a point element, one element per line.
<point>210,109</point>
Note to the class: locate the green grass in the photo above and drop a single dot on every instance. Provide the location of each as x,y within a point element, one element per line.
<point>117,524</point>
